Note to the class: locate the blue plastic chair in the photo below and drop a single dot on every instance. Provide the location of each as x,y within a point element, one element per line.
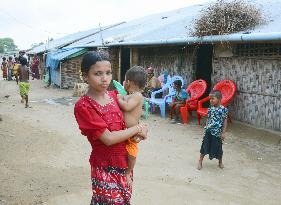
<point>161,102</point>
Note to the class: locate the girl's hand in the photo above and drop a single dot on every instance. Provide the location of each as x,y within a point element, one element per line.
<point>137,139</point>
<point>222,136</point>
<point>143,130</point>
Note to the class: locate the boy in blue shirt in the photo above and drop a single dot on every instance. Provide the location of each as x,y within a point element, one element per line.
<point>178,100</point>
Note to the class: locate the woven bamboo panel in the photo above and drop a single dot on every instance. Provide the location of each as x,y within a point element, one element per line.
<point>71,72</point>
<point>259,89</point>
<point>177,61</point>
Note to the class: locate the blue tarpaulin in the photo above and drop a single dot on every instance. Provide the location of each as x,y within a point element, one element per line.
<point>55,57</point>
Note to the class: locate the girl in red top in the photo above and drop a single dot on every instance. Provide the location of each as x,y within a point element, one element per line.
<point>34,68</point>
<point>100,119</point>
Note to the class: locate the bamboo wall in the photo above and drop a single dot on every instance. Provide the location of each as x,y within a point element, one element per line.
<point>258,99</point>
<point>176,60</point>
<point>70,72</point>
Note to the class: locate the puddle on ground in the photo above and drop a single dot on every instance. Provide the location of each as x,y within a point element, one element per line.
<point>60,101</point>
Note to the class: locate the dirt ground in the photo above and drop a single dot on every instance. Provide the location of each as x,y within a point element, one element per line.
<point>44,159</point>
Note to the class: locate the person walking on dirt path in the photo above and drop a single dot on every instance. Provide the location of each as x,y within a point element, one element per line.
<point>100,119</point>
<point>24,84</point>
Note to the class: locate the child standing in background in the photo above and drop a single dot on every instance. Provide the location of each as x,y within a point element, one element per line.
<point>215,130</point>
<point>131,105</point>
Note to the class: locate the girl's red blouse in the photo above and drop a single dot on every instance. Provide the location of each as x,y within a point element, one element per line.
<point>93,119</point>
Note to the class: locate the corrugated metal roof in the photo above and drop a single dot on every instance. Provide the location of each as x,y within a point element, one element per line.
<point>66,40</point>
<point>174,27</point>
<point>159,26</point>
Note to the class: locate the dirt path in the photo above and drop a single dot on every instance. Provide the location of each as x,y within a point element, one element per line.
<point>44,159</point>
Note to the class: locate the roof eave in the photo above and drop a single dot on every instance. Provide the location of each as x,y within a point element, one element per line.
<point>251,37</point>
<point>208,39</point>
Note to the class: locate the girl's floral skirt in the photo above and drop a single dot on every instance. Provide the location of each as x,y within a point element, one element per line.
<point>109,186</point>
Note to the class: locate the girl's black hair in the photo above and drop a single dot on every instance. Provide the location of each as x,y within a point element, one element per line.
<point>216,93</point>
<point>4,58</point>
<point>91,58</point>
<point>10,58</point>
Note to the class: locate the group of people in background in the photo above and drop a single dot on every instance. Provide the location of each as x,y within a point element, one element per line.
<point>10,66</point>
<point>18,69</point>
<point>155,83</point>
<point>7,68</point>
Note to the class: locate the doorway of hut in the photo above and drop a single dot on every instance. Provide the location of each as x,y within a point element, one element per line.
<point>125,62</point>
<point>204,65</point>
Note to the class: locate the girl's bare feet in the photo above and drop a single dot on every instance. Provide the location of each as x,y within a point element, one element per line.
<point>199,167</point>
<point>221,165</point>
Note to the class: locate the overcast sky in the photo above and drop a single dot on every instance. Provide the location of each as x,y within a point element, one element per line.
<point>33,21</point>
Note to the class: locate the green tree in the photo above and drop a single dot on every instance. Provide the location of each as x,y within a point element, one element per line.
<point>7,44</point>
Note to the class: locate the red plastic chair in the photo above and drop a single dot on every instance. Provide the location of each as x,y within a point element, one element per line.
<point>227,88</point>
<point>196,90</point>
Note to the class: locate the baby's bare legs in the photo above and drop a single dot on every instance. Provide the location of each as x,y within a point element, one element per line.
<point>132,161</point>
<point>131,165</point>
